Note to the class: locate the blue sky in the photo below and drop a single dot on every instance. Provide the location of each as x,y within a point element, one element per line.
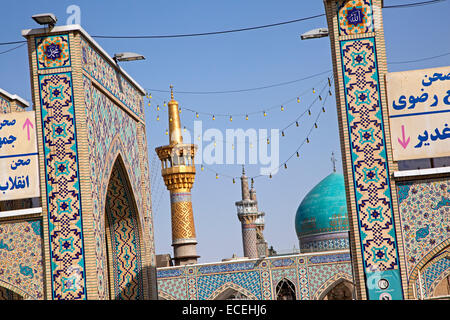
<point>231,62</point>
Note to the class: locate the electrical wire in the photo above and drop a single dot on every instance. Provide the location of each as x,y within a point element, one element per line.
<point>422,3</point>
<point>6,51</point>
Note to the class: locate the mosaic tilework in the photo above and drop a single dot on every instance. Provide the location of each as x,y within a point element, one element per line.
<point>101,70</point>
<point>182,216</point>
<point>290,274</point>
<point>256,278</point>
<point>248,280</point>
<point>424,207</point>
<point>125,239</point>
<point>52,52</point>
<point>355,17</point>
<point>249,241</point>
<point>62,186</point>
<point>21,263</point>
<point>368,157</point>
<point>5,105</point>
<point>110,132</point>
<point>317,245</point>
<point>175,288</point>
<point>318,275</point>
<point>434,273</point>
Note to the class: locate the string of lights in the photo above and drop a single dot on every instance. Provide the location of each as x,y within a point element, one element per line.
<point>284,163</point>
<point>319,97</point>
<point>262,111</point>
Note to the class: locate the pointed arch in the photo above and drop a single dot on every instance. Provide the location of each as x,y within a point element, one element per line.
<point>11,292</point>
<point>331,283</point>
<point>228,289</point>
<point>285,290</point>
<point>123,234</point>
<point>433,273</point>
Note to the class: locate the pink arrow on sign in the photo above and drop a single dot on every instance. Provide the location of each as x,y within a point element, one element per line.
<point>404,143</point>
<point>28,124</point>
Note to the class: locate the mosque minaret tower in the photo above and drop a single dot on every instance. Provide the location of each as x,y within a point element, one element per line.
<point>250,218</point>
<point>178,171</point>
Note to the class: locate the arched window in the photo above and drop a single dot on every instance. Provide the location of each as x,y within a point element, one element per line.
<point>285,290</point>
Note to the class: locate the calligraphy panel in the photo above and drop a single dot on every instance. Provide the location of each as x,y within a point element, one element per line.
<point>419,109</point>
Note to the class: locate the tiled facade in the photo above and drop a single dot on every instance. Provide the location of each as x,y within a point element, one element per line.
<point>94,171</point>
<point>312,275</point>
<point>357,40</point>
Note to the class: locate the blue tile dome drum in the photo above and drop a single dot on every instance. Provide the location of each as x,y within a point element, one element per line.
<point>321,221</point>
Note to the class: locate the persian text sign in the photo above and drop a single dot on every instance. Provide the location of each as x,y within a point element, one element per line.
<point>419,113</point>
<point>19,173</point>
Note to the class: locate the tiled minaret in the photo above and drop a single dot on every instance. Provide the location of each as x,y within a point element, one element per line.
<point>248,214</point>
<point>178,171</point>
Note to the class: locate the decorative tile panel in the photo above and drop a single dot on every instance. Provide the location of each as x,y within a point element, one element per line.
<point>107,76</point>
<point>125,239</point>
<point>355,17</point>
<point>424,207</point>
<point>369,162</point>
<point>21,263</point>
<point>52,52</point>
<point>62,186</point>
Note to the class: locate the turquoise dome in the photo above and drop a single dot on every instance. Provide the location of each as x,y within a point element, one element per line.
<point>322,220</point>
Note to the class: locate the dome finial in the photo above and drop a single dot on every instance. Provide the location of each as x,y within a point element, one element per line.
<point>333,160</point>
<point>243,170</point>
<point>171,92</point>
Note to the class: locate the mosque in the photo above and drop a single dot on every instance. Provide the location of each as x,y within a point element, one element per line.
<point>322,269</point>
<point>76,219</point>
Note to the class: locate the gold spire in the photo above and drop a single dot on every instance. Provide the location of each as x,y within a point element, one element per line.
<point>175,136</point>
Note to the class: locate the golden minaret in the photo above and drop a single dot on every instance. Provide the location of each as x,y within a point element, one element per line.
<point>178,171</point>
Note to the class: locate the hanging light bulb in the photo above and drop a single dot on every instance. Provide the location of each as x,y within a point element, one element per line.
<point>298,99</point>
<point>252,181</point>
<point>157,107</point>
<point>165,105</point>
<point>234,181</point>
<point>282,108</point>
<point>270,175</point>
<point>265,114</point>
<point>202,168</point>
<point>296,123</point>
<point>150,96</point>
<point>184,129</point>
<point>157,117</point>
<point>320,98</point>
<point>285,166</point>
<point>232,146</point>
<point>231,118</point>
<point>329,92</point>
<point>167,132</point>
<point>309,112</point>
<point>307,140</point>
<point>214,118</point>
<point>246,117</point>
<point>149,103</point>
<point>215,143</point>
<point>217,176</point>
<point>282,133</point>
<point>198,138</point>
<point>329,82</point>
<point>179,110</point>
<point>314,90</point>
<point>323,109</point>
<point>315,125</point>
<point>298,155</point>
<point>268,141</point>
<point>251,145</point>
<point>196,114</point>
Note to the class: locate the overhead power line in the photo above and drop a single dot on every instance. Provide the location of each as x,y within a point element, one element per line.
<point>415,4</point>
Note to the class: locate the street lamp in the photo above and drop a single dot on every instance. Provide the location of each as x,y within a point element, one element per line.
<point>45,18</point>
<point>315,33</point>
<point>127,56</point>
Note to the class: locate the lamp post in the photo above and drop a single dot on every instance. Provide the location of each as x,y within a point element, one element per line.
<point>127,56</point>
<point>315,33</point>
<point>45,19</point>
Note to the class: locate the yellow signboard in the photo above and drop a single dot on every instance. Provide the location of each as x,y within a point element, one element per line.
<point>19,168</point>
<point>419,113</point>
